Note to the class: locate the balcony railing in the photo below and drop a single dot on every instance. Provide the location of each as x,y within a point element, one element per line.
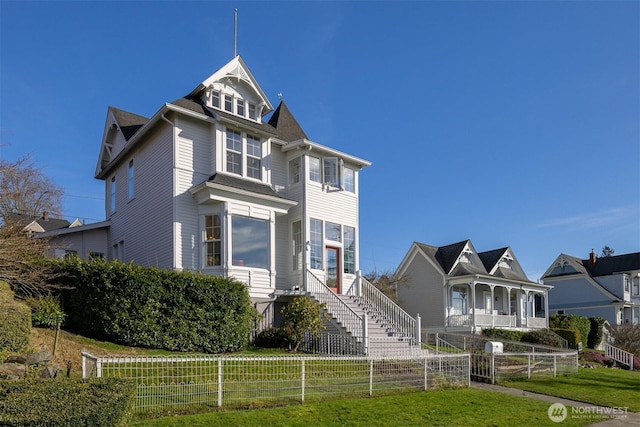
<point>496,321</point>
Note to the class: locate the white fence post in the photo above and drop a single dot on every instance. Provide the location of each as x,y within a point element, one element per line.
<point>425,374</point>
<point>365,333</point>
<point>418,329</point>
<point>554,366</point>
<point>302,360</point>
<point>371,377</point>
<point>219,382</point>
<point>529,366</point>
<point>84,366</point>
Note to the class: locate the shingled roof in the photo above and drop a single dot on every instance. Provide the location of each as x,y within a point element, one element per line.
<point>243,184</point>
<point>286,125</point>
<point>129,123</point>
<point>608,265</point>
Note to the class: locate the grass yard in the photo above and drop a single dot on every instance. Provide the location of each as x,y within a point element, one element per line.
<point>597,386</point>
<point>462,407</point>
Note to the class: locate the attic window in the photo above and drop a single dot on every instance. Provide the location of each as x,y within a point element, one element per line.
<point>215,98</point>
<point>252,111</point>
<point>240,107</point>
<point>506,262</point>
<point>465,256</point>
<point>228,103</point>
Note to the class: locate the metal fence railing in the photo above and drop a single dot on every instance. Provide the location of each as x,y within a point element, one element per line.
<point>179,383</point>
<point>495,367</point>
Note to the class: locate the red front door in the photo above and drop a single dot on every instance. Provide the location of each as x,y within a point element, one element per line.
<point>333,268</point>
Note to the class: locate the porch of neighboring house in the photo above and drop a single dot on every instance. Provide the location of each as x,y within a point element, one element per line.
<point>482,304</point>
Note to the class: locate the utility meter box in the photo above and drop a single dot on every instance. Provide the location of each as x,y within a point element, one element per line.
<point>493,347</point>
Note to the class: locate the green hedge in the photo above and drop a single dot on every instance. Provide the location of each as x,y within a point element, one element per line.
<point>15,321</point>
<point>572,321</point>
<point>505,334</point>
<point>542,337</point>
<point>150,307</point>
<point>66,402</point>
<point>595,332</point>
<point>571,335</point>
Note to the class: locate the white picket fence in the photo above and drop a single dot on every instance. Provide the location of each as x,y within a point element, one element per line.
<point>619,355</point>
<point>179,383</point>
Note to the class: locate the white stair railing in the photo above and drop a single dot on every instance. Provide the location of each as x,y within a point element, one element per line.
<point>354,323</point>
<point>398,319</point>
<point>619,355</point>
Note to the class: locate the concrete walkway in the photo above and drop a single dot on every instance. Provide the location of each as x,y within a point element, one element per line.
<point>630,419</point>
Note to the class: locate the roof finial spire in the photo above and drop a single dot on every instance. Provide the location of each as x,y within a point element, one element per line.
<point>280,96</point>
<point>235,32</point>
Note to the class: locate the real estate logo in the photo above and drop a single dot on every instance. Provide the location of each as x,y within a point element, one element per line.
<point>557,412</point>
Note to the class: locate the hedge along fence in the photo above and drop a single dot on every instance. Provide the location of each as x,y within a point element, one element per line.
<point>571,335</point>
<point>572,321</point>
<point>150,307</point>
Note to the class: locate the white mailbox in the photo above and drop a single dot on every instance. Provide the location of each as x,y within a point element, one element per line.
<point>493,347</point>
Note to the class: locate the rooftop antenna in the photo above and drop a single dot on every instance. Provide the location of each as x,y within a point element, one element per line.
<point>235,32</point>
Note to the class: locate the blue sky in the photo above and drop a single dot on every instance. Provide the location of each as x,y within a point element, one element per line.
<point>508,123</point>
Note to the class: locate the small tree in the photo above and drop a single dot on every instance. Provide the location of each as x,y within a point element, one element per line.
<point>607,251</point>
<point>303,316</point>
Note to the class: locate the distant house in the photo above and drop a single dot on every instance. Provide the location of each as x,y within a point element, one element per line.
<point>37,224</point>
<point>456,288</point>
<point>607,287</point>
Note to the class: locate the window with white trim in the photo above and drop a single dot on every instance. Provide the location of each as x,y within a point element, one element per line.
<point>332,231</point>
<point>316,242</point>
<point>240,107</point>
<point>234,152</point>
<point>215,98</point>
<point>296,232</point>
<point>212,240</point>
<point>349,250</point>
<point>254,156</point>
<point>228,103</point>
<point>627,283</point>
<point>349,180</point>
<point>315,172</point>
<point>112,198</point>
<point>130,179</point>
<point>249,242</point>
<point>252,111</point>
<point>331,171</point>
<point>636,287</point>
<point>294,170</point>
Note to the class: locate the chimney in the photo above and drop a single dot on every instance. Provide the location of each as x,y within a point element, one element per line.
<point>592,258</point>
<point>45,216</point>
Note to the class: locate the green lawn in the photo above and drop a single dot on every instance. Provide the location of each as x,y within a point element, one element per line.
<point>462,407</point>
<point>597,386</point>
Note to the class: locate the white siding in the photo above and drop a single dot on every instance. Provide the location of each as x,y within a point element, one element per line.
<point>194,154</point>
<point>83,242</point>
<point>144,223</point>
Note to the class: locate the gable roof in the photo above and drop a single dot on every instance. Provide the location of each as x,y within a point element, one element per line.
<point>129,123</point>
<point>287,126</point>
<point>609,265</point>
<point>38,224</point>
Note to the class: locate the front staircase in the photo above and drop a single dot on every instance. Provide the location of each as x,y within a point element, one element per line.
<point>364,321</point>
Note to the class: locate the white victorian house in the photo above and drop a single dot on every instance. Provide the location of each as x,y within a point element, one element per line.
<point>456,288</point>
<point>219,181</point>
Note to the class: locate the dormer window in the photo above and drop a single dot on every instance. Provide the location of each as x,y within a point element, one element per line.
<point>465,256</point>
<point>228,103</point>
<point>215,98</point>
<point>240,107</point>
<point>252,111</point>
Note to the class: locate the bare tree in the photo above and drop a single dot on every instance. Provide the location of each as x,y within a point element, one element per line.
<point>387,283</point>
<point>21,262</point>
<point>25,190</point>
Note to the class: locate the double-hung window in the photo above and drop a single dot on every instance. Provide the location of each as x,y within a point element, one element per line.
<point>215,98</point>
<point>228,103</point>
<point>254,154</point>
<point>294,170</point>
<point>349,242</point>
<point>240,107</point>
<point>315,233</point>
<point>234,152</point>
<point>212,240</point>
<point>252,111</point>
<point>296,231</point>
<point>349,180</point>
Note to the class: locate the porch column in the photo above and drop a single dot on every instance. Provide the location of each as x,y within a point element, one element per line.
<point>473,305</point>
<point>546,308</point>
<point>492,287</point>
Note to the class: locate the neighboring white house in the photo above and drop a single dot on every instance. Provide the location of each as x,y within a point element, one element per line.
<point>456,288</point>
<point>220,182</point>
<point>607,287</point>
